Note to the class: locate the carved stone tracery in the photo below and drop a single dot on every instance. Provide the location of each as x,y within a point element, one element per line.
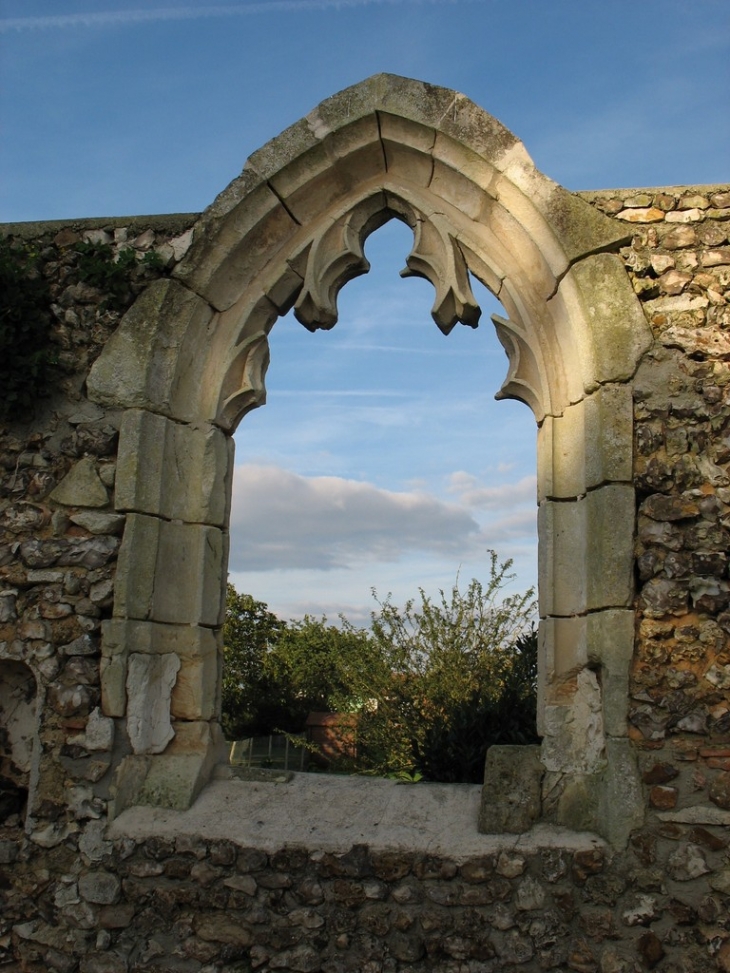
<point>290,233</point>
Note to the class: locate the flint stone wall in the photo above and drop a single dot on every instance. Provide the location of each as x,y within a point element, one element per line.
<point>72,899</point>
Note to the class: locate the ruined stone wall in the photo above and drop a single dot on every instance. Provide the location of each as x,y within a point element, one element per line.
<point>59,532</point>
<point>679,264</point>
<point>71,899</point>
<point>189,905</point>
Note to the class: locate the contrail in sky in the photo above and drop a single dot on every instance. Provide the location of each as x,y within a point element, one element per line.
<point>125,18</point>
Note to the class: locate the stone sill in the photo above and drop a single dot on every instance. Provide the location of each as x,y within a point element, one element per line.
<point>329,813</point>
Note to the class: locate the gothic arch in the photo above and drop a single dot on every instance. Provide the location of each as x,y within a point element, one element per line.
<point>189,361</point>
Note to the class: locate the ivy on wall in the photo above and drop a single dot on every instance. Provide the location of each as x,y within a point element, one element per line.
<point>36,350</point>
<point>98,267</point>
<point>27,356</point>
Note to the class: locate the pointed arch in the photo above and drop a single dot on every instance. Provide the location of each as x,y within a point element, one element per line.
<point>190,357</point>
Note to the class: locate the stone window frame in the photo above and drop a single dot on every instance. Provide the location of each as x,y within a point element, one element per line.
<point>189,359</point>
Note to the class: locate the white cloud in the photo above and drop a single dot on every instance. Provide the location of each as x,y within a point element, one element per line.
<point>506,495</point>
<point>283,520</point>
<point>513,526</point>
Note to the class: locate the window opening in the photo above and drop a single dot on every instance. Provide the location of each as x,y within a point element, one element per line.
<point>381,459</point>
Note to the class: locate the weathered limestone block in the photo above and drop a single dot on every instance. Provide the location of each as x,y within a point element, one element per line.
<point>195,691</point>
<point>595,531</point>
<point>511,792</point>
<point>173,471</point>
<point>561,224</point>
<point>602,639</point>
<point>453,182</point>
<point>533,266</point>
<point>597,290</point>
<point>136,568</point>
<point>561,454</point>
<point>316,181</point>
<point>230,250</point>
<point>610,644</point>
<point>152,360</point>
<point>588,445</point>
<point>621,801</point>
<point>561,529</point>
<point>150,679</point>
<point>128,780</point>
<point>195,694</point>
<point>609,526</point>
<point>609,430</point>
<point>190,577</point>
<point>565,648</point>
<point>449,112</point>
<point>171,572</point>
<point>573,800</point>
<point>408,146</point>
<point>176,777</point>
<point>574,741</point>
<point>113,669</point>
<point>81,487</point>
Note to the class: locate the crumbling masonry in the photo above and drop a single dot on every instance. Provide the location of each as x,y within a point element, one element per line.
<point>138,850</point>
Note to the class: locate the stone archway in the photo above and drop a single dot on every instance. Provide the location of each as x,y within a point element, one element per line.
<point>189,361</point>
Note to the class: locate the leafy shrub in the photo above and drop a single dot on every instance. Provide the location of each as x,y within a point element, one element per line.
<point>455,744</point>
<point>98,268</point>
<point>457,673</point>
<point>434,684</point>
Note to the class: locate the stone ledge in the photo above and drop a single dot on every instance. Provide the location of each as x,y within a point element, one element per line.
<point>334,813</point>
<point>161,223</point>
<point>591,194</point>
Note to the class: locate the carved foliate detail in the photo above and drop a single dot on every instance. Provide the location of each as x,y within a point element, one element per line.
<point>336,256</point>
<point>246,378</point>
<point>525,377</point>
<point>436,257</point>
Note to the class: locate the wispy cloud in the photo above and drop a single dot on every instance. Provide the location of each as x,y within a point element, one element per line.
<point>127,18</point>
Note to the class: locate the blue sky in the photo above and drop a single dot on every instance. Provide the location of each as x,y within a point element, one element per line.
<point>381,459</point>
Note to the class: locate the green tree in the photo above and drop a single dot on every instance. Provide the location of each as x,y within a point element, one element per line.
<point>434,683</point>
<point>275,673</point>
<point>320,664</point>
<point>249,633</point>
